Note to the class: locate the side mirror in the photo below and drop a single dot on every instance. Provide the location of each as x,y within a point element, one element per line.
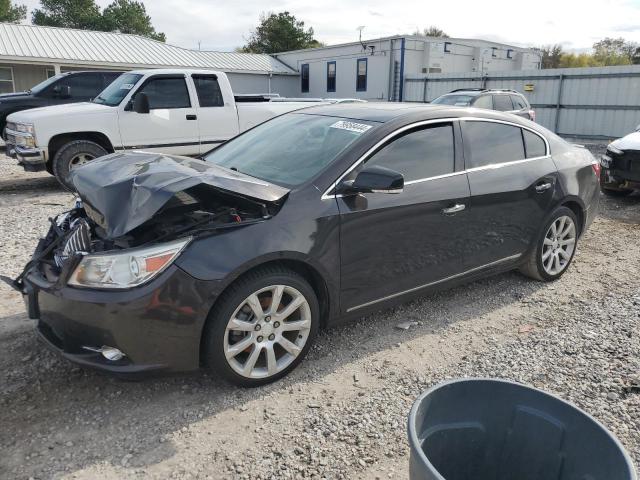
<point>141,103</point>
<point>375,179</point>
<point>62,91</point>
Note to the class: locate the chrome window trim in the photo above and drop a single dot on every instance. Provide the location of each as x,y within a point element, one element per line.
<point>436,282</point>
<point>327,196</point>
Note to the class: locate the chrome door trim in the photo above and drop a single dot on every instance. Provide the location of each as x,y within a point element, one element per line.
<point>452,277</point>
<point>327,196</point>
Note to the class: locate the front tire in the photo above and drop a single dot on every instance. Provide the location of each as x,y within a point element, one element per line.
<point>261,328</point>
<point>555,247</point>
<point>72,155</point>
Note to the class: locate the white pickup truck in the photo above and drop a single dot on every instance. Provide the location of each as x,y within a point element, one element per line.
<point>184,112</point>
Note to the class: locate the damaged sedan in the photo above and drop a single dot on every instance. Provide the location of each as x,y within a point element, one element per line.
<point>234,261</point>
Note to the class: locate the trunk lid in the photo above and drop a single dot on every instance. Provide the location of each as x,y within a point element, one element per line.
<point>122,191</point>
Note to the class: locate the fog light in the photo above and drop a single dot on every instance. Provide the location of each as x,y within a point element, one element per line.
<point>110,353</point>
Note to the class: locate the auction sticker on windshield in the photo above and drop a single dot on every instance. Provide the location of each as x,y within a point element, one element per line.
<point>351,126</point>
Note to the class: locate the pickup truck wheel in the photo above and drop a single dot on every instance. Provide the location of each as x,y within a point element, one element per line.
<point>72,155</point>
<point>261,328</point>
<point>555,247</point>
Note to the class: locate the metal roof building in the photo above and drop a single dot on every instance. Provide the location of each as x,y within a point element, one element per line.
<point>30,54</point>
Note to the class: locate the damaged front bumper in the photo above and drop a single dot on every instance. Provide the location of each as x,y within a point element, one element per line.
<point>156,326</point>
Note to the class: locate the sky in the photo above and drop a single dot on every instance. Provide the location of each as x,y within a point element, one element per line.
<point>223,25</point>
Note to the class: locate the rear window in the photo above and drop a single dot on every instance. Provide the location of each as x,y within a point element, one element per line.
<point>457,100</point>
<point>490,143</point>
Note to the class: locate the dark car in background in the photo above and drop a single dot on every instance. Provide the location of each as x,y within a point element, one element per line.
<point>68,87</point>
<point>510,101</point>
<point>235,261</point>
<point>621,166</point>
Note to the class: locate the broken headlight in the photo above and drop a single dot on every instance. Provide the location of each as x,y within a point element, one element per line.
<point>126,269</point>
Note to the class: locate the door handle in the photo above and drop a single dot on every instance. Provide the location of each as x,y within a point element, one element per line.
<point>455,209</point>
<point>543,187</point>
<point>191,117</point>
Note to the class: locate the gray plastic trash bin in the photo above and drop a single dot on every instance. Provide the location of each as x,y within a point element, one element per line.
<point>484,429</point>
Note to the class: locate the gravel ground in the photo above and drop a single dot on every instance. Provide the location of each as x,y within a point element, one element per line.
<point>342,413</point>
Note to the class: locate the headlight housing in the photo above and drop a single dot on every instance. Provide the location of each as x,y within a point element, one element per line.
<point>25,128</point>
<point>25,141</point>
<point>126,269</point>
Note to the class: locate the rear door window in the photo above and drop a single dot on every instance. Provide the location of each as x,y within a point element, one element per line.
<point>502,103</point>
<point>490,143</point>
<point>208,89</point>
<point>167,92</point>
<point>533,144</point>
<point>484,101</point>
<point>419,154</point>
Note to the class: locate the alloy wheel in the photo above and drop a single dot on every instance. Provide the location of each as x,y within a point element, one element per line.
<point>80,159</point>
<point>267,331</point>
<point>559,244</point>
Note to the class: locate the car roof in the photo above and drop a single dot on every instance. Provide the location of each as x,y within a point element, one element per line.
<point>409,112</point>
<point>480,91</point>
<point>371,111</point>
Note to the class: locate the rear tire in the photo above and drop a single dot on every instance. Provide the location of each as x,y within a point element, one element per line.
<point>74,154</point>
<point>555,247</point>
<point>247,340</point>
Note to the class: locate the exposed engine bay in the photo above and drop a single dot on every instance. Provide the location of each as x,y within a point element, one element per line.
<point>74,233</point>
<point>143,199</point>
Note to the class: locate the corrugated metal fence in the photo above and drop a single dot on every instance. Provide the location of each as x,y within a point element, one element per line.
<point>599,102</point>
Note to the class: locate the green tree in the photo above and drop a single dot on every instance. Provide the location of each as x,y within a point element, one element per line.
<point>551,56</point>
<point>614,51</point>
<point>129,16</point>
<point>82,14</point>
<point>12,13</point>
<point>432,31</point>
<point>126,16</point>
<point>280,32</point>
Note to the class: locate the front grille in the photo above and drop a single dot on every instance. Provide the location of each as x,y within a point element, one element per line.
<point>628,160</point>
<point>78,241</point>
<point>11,139</point>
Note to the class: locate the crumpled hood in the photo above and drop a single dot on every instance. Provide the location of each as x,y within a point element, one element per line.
<point>122,191</point>
<point>629,142</point>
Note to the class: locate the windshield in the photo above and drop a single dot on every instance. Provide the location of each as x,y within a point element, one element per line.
<point>457,100</point>
<point>42,85</point>
<point>289,150</point>
<point>118,89</point>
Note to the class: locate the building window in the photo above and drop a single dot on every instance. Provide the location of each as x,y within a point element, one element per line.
<point>51,72</point>
<point>331,76</point>
<point>447,47</point>
<point>304,78</point>
<point>509,53</point>
<point>6,80</point>
<point>361,75</point>
<point>494,52</point>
